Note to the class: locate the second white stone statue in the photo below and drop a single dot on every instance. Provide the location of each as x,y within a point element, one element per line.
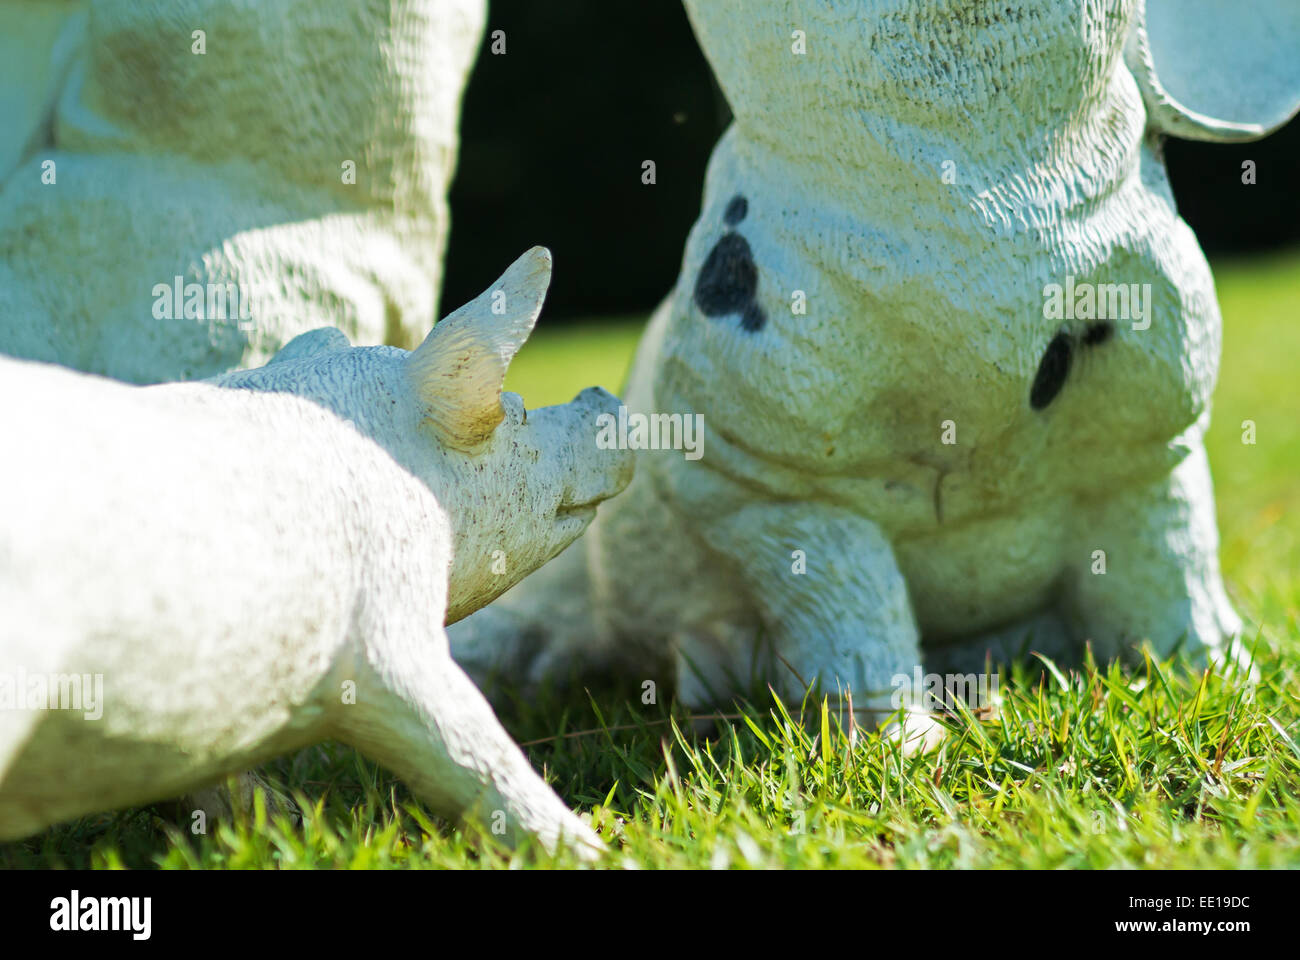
<point>223,572</point>
<point>952,346</point>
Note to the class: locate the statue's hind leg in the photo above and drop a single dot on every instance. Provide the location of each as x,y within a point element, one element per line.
<point>419,715</point>
<point>1161,580</point>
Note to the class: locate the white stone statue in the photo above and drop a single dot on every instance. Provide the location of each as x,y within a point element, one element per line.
<point>186,185</point>
<point>198,577</point>
<point>952,346</point>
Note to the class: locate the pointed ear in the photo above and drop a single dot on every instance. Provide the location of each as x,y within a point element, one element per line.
<point>1218,70</point>
<point>460,368</point>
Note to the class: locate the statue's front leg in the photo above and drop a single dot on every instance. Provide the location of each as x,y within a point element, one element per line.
<point>833,610</point>
<point>1157,577</point>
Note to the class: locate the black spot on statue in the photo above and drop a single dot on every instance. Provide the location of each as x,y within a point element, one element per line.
<point>736,210</point>
<point>1098,333</point>
<point>728,280</point>
<point>753,319</point>
<point>1053,370</point>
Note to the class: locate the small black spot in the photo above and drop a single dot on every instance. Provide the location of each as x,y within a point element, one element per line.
<point>1052,371</point>
<point>754,318</point>
<point>737,208</point>
<point>728,279</point>
<point>1098,333</point>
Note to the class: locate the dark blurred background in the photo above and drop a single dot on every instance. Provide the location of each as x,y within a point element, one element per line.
<point>555,131</point>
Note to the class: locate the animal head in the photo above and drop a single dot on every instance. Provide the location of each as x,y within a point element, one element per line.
<point>518,486</point>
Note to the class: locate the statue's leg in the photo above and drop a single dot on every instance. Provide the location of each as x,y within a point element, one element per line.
<point>834,611</point>
<point>1161,580</point>
<point>419,715</point>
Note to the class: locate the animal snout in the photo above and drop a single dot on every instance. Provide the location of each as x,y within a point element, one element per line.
<point>600,469</point>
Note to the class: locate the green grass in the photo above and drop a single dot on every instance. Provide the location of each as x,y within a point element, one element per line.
<point>1102,767</point>
<point>556,363</point>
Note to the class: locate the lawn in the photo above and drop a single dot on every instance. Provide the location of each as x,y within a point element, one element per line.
<point>1098,768</point>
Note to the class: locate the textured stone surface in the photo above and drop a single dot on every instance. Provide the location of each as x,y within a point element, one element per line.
<point>918,178</point>
<point>232,557</point>
<point>225,167</point>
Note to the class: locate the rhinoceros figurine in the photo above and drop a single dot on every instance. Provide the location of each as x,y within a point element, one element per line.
<point>186,185</point>
<point>197,577</point>
<point>952,346</point>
